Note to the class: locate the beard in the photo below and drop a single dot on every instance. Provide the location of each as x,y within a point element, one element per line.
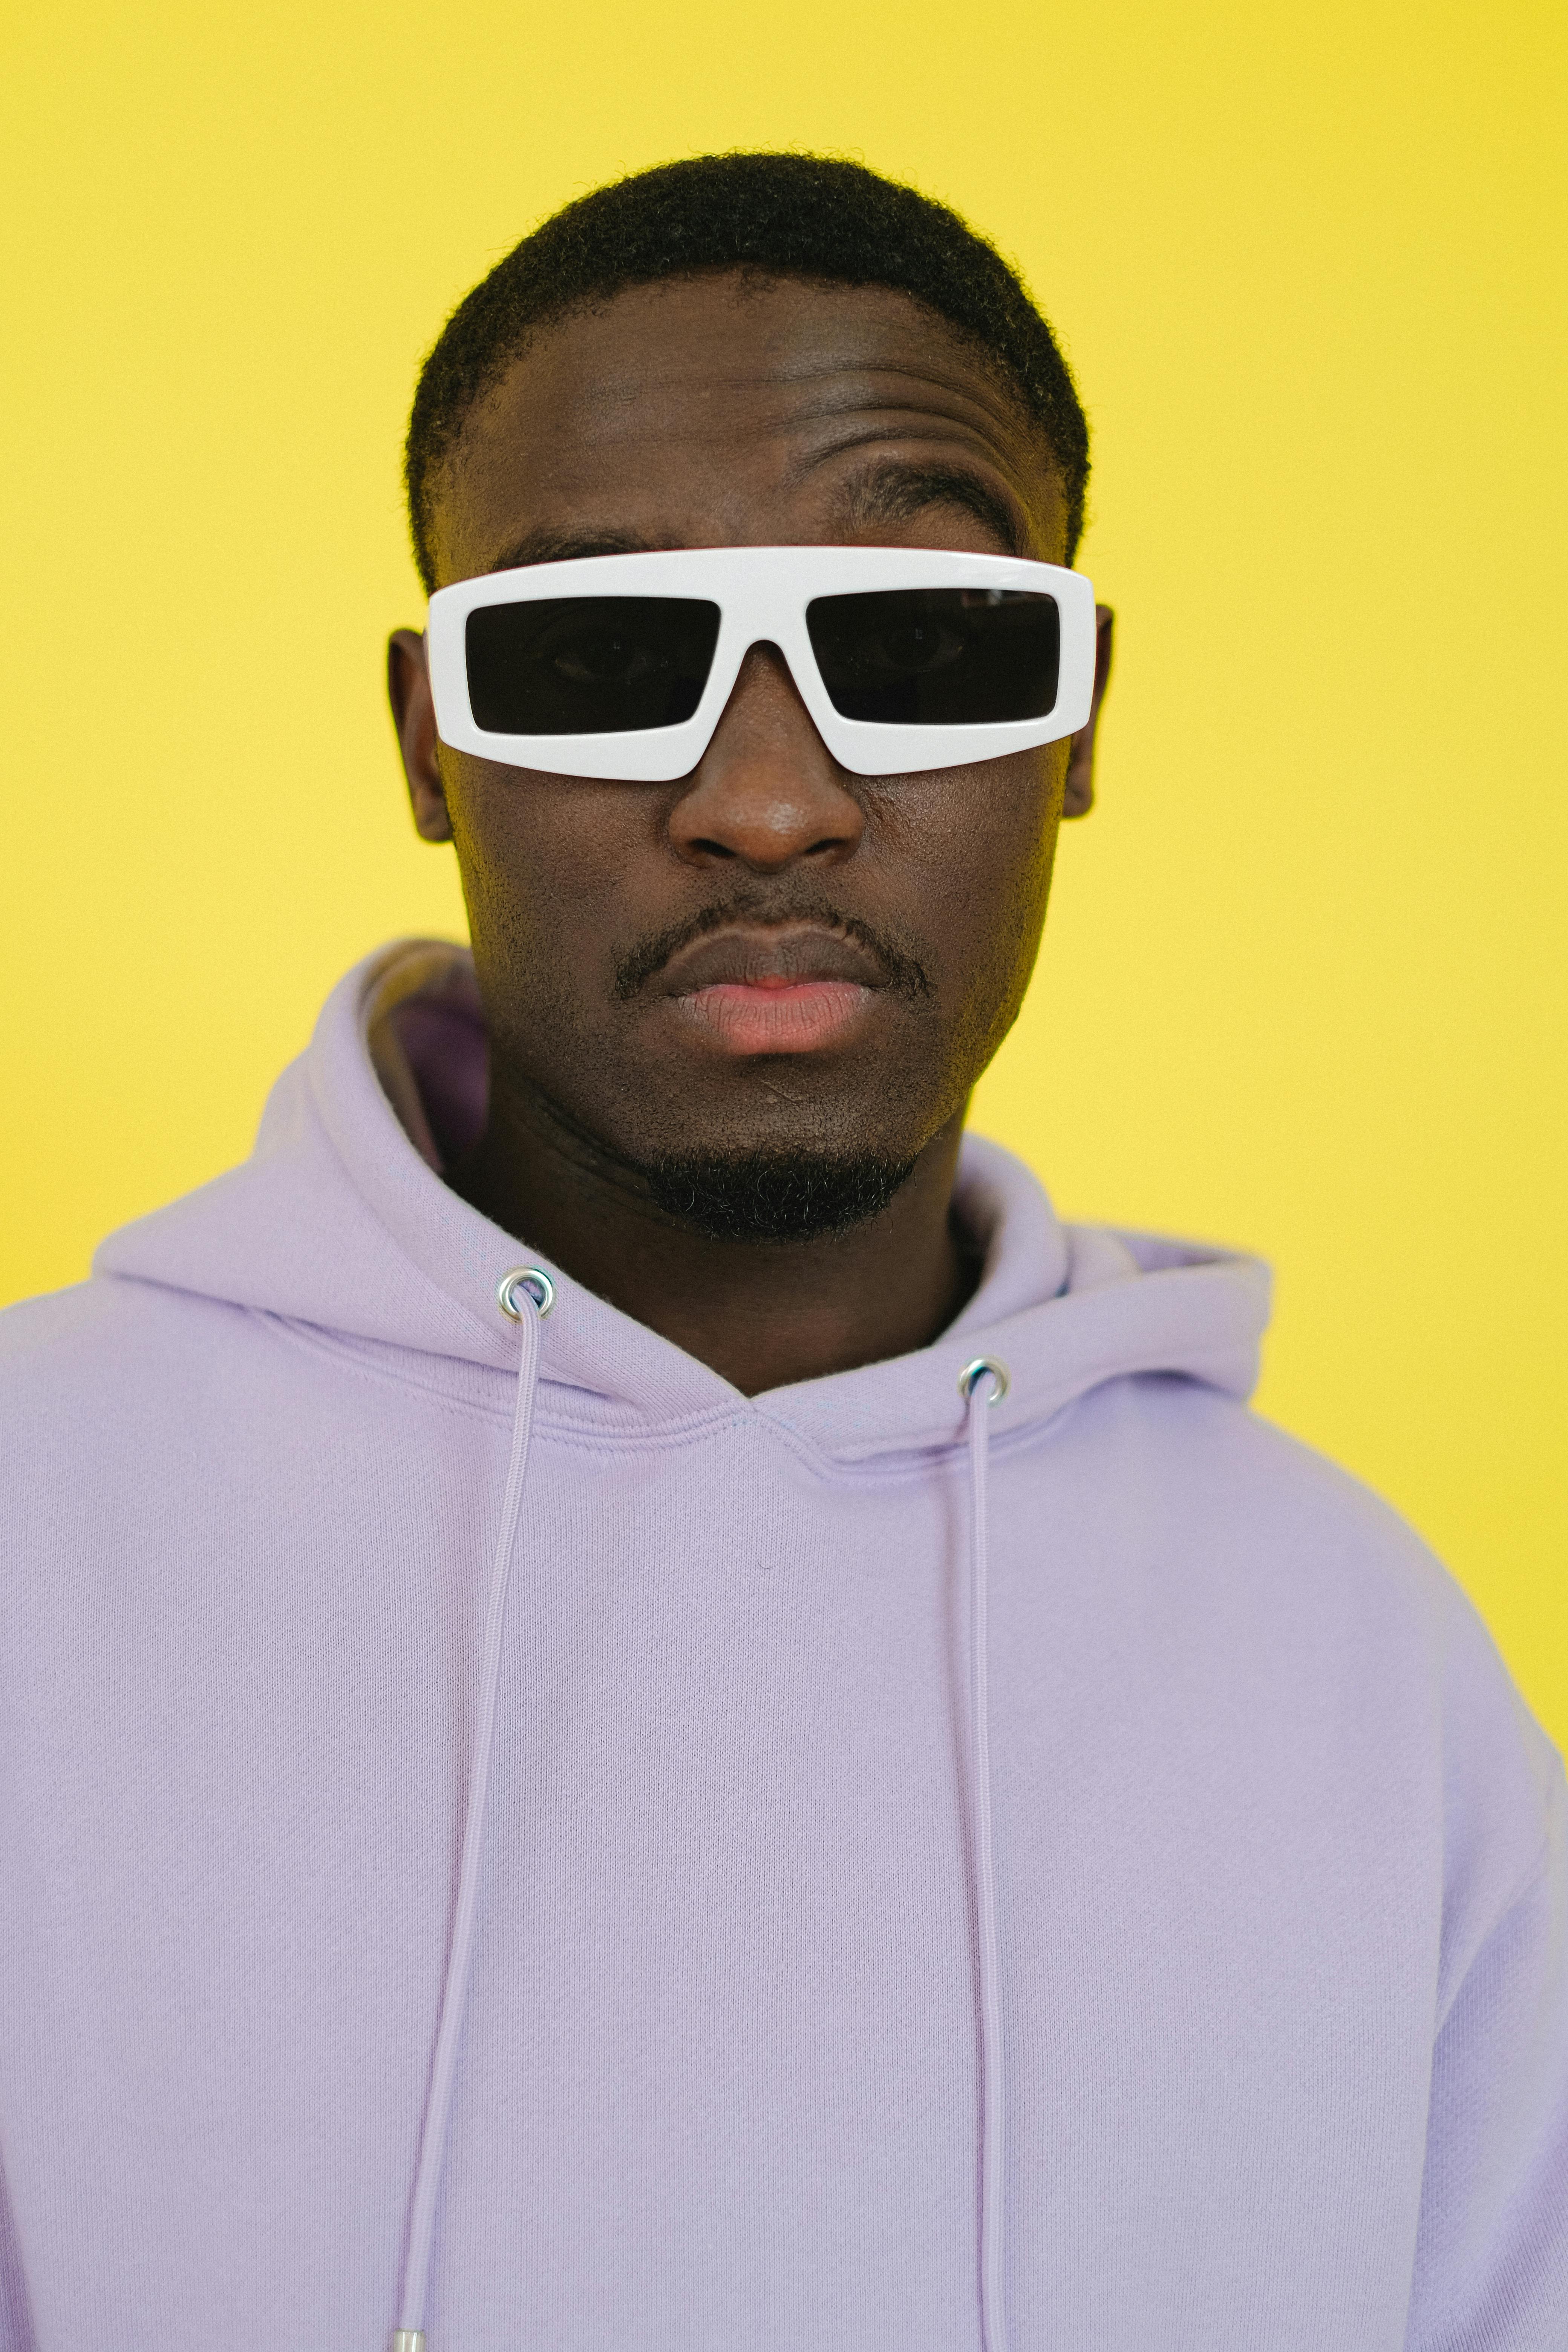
<point>773,1195</point>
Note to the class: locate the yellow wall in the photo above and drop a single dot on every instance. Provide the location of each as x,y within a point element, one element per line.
<point>1303,986</point>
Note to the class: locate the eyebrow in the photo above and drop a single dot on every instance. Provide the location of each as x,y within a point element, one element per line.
<point>566,546</point>
<point>896,490</point>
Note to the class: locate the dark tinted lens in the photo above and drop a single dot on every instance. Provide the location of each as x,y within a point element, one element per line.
<point>588,665</point>
<point>938,656</point>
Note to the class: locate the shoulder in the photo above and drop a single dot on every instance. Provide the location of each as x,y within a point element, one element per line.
<point>1222,1475</point>
<point>95,1331</point>
<point>94,1383</point>
<point>1308,1584</point>
<point>1174,1433</point>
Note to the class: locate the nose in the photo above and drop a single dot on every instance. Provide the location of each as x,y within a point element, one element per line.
<point>766,794</point>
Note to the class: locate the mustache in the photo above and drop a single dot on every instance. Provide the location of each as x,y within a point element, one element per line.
<point>900,972</point>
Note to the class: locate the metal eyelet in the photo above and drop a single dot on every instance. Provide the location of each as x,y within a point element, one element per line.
<point>535,1282</point>
<point>970,1376</point>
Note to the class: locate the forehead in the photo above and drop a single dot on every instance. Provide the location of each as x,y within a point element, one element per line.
<point>711,412</point>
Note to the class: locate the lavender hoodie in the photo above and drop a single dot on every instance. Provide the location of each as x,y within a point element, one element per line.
<point>1240,2025</point>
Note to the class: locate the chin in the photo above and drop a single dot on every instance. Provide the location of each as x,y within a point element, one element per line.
<point>774,1193</point>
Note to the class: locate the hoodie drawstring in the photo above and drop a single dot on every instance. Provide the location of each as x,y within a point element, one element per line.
<point>527,1295</point>
<point>982,1384</point>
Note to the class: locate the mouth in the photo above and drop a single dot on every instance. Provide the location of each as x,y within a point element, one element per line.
<point>778,991</point>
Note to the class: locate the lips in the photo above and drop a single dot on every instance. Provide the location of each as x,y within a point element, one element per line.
<point>794,1018</point>
<point>784,990</point>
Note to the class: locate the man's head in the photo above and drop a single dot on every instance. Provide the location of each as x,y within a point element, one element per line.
<point>761,992</point>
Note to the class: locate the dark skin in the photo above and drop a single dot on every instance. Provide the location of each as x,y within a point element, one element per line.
<point>702,413</point>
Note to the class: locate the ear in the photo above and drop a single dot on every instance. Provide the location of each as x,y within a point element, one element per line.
<point>1078,796</point>
<point>413,716</point>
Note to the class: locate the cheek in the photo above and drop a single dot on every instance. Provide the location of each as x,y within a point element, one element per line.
<point>998,840</point>
<point>535,850</point>
<point>984,844</point>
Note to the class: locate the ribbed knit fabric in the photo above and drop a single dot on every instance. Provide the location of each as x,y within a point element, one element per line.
<point>1277,1985</point>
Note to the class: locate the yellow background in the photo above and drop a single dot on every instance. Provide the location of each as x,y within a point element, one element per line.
<point>1302,988</point>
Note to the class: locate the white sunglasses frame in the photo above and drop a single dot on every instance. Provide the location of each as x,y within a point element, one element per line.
<point>761,593</point>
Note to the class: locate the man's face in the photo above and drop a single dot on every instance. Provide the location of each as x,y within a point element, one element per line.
<point>770,959</point>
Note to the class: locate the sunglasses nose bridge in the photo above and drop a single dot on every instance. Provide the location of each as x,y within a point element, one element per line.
<point>791,663</point>
<point>768,616</point>
<point>766,790</point>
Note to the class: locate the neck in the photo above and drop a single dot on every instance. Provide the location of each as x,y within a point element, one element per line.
<point>761,1314</point>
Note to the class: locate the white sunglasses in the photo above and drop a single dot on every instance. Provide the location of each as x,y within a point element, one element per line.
<point>621,665</point>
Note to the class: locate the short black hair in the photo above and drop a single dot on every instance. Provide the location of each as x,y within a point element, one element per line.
<point>771,215</point>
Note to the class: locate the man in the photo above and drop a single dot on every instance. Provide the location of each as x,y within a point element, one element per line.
<point>642,1708</point>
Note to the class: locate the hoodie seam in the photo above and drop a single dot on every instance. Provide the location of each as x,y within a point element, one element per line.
<point>1102,1374</point>
<point>909,1462</point>
<point>897,1463</point>
<point>1448,1994</point>
<point>288,1330</point>
<point>584,1436</point>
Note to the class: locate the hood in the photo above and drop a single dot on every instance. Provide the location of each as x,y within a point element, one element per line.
<point>340,1219</point>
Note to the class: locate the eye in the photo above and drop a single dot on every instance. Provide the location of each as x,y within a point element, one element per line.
<point>601,657</point>
<point>908,648</point>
